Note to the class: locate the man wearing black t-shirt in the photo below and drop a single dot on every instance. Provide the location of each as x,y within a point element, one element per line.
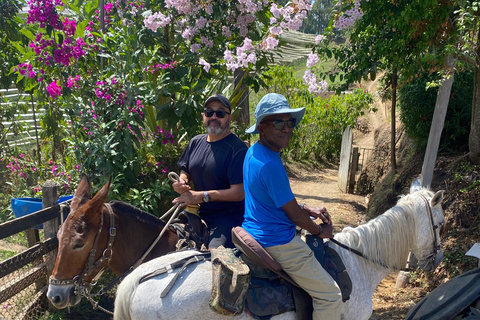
<point>213,163</point>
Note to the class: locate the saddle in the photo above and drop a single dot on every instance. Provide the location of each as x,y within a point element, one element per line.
<point>190,229</point>
<point>267,276</point>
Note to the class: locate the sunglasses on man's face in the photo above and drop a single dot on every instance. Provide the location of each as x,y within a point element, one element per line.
<point>280,124</point>
<point>219,113</point>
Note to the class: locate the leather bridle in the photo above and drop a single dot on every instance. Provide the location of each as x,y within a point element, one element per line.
<point>95,268</point>
<point>83,288</point>
<point>436,244</point>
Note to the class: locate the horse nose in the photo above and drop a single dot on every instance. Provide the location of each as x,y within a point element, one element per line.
<point>57,300</point>
<point>58,296</point>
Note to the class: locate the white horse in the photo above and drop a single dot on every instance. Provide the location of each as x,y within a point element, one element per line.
<point>412,225</point>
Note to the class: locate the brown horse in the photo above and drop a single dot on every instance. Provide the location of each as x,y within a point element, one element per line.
<point>97,235</point>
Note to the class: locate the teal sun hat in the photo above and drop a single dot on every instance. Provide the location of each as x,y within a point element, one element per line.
<point>274,103</point>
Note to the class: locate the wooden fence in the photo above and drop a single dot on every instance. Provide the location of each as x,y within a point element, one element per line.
<point>352,161</point>
<point>24,277</point>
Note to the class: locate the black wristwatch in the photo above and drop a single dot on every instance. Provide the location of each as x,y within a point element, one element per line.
<point>206,197</point>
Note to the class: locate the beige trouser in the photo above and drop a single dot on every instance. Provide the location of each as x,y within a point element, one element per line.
<point>298,260</point>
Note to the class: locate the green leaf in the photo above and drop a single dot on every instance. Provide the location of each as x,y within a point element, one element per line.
<point>90,8</point>
<point>28,34</point>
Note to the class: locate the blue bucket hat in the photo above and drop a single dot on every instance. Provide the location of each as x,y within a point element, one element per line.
<point>274,103</point>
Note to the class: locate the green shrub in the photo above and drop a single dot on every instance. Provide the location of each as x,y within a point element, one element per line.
<point>418,104</point>
<point>319,135</point>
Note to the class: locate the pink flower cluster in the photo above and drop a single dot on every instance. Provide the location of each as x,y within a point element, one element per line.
<point>61,54</point>
<point>205,64</point>
<point>160,66</point>
<point>106,90</point>
<point>350,16</point>
<point>138,108</point>
<point>313,85</point>
<point>156,20</point>
<point>25,69</point>
<point>166,136</point>
<point>312,59</point>
<point>43,48</point>
<point>54,89</point>
<point>72,81</point>
<point>64,53</point>
<point>181,6</point>
<point>45,13</point>
<point>165,169</point>
<point>16,167</point>
<point>319,38</point>
<point>69,27</point>
<point>244,55</point>
<point>128,9</point>
<point>193,18</point>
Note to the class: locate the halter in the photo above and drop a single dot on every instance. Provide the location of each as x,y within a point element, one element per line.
<point>434,227</point>
<point>80,286</point>
<point>432,255</point>
<point>83,288</point>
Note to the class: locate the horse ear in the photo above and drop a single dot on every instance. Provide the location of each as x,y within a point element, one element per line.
<point>437,198</point>
<point>82,194</point>
<point>99,199</point>
<point>416,185</point>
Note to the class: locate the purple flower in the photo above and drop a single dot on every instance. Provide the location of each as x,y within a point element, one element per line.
<point>54,90</point>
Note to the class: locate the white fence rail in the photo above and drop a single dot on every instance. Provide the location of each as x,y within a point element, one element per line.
<point>29,122</point>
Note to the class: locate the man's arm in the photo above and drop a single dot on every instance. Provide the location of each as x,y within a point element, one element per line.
<point>301,217</point>
<point>234,193</point>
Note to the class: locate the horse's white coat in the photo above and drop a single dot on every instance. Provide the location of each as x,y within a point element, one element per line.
<point>388,239</point>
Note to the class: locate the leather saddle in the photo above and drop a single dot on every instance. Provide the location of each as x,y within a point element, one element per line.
<point>254,253</point>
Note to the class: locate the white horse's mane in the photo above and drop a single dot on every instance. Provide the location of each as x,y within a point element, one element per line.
<point>391,233</point>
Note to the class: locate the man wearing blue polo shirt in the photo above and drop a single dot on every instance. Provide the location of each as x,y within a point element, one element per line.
<point>272,212</point>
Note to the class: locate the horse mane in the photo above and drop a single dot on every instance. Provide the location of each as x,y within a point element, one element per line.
<point>136,213</point>
<point>388,238</point>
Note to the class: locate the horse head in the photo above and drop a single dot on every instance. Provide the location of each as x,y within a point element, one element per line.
<point>77,240</point>
<point>429,221</point>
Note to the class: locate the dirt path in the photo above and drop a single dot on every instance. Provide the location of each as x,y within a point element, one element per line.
<point>318,187</point>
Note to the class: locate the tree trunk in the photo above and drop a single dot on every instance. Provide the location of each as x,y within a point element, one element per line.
<point>474,137</point>
<point>393,158</point>
<point>443,96</point>
<point>243,118</point>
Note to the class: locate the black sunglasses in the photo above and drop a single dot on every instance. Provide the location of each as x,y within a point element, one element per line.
<point>219,113</point>
<point>280,124</point>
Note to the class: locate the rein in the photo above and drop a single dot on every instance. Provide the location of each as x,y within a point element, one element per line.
<point>83,288</point>
<point>436,245</point>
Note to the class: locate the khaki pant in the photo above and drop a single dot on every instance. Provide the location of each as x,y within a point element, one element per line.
<point>298,260</point>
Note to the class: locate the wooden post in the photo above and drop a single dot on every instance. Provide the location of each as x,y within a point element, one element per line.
<point>353,170</point>
<point>50,228</point>
<point>32,236</point>
<point>347,139</point>
<point>443,96</point>
<point>243,118</point>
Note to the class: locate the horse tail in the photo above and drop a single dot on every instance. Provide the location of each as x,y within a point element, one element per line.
<point>124,295</point>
